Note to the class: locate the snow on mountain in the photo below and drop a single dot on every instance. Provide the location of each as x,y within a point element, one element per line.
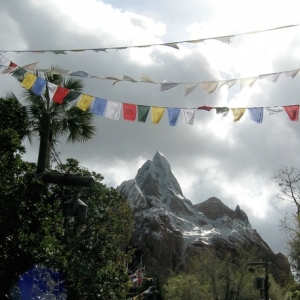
<point>156,193</point>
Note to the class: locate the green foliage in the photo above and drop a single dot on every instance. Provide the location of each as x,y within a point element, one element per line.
<point>89,253</point>
<point>210,276</point>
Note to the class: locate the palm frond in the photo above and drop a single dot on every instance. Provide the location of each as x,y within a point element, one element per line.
<point>74,83</point>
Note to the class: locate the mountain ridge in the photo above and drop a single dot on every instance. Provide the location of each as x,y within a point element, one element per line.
<point>167,225</point>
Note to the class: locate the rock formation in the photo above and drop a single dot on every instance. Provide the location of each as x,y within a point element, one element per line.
<point>168,226</point>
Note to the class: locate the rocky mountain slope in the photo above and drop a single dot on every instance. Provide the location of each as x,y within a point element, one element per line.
<point>168,226</point>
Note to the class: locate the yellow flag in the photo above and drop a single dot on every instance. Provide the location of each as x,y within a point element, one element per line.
<point>238,113</point>
<point>28,81</point>
<point>157,113</point>
<point>84,102</point>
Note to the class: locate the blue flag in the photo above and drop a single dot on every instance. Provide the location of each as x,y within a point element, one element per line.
<point>173,114</point>
<point>99,106</point>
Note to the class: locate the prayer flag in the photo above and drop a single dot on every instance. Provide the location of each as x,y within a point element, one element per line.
<point>79,74</point>
<point>225,39</point>
<point>28,81</point>
<point>4,62</point>
<point>39,86</point>
<point>167,85</point>
<point>247,82</point>
<point>145,78</point>
<point>189,87</point>
<point>84,102</point>
<point>274,110</point>
<point>292,73</point>
<point>113,110</point>
<point>209,86</point>
<point>129,111</point>
<point>51,89</point>
<point>229,82</point>
<point>189,115</point>
<point>256,114</point>
<point>272,77</point>
<point>72,95</point>
<point>30,66</point>
<point>60,94</point>
<point>222,110</point>
<point>18,72</point>
<point>173,114</point>
<point>127,78</point>
<point>99,106</point>
<point>143,113</point>
<point>292,111</point>
<point>208,108</point>
<point>157,113</point>
<point>12,66</point>
<point>238,113</point>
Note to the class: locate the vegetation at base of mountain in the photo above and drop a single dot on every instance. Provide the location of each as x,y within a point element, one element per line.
<point>208,276</point>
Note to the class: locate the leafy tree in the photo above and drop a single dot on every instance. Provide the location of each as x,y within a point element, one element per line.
<point>209,276</point>
<point>288,180</point>
<point>89,253</point>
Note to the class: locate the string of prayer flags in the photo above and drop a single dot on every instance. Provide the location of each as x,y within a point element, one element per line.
<point>129,111</point>
<point>143,112</point>
<point>225,39</point>
<point>84,102</point>
<point>99,106</point>
<point>113,110</point>
<point>9,67</point>
<point>256,114</point>
<point>157,113</point>
<point>133,112</point>
<point>292,111</point>
<point>28,80</point>
<point>60,94</point>
<point>238,113</point>
<point>173,114</point>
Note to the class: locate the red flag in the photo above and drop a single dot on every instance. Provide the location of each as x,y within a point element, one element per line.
<point>292,111</point>
<point>129,111</point>
<point>208,108</point>
<point>60,94</point>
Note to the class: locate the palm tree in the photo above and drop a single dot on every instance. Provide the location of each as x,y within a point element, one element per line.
<point>51,121</point>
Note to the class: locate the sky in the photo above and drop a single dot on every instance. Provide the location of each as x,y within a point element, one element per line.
<point>214,157</point>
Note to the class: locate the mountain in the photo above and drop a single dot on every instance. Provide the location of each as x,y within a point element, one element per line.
<point>168,227</point>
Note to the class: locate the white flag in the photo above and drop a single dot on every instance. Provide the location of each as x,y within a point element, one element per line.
<point>274,110</point>
<point>189,87</point>
<point>189,115</point>
<point>209,86</point>
<point>113,110</point>
<point>51,89</point>
<point>247,81</point>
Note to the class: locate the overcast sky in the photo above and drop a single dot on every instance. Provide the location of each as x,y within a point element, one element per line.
<point>233,161</point>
